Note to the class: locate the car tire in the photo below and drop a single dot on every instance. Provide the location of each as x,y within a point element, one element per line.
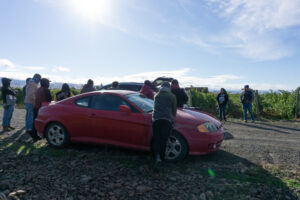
<point>177,147</point>
<point>57,135</point>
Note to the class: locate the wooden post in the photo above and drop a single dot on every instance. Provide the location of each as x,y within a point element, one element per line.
<point>257,103</point>
<point>297,104</point>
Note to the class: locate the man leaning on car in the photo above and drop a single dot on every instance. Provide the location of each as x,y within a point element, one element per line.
<point>165,107</point>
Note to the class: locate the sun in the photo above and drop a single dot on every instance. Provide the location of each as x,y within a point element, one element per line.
<point>93,10</point>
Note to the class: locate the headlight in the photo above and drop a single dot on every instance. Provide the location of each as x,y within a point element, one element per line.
<point>207,127</point>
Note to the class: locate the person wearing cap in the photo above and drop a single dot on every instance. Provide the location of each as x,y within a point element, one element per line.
<point>89,87</point>
<point>222,100</point>
<point>165,108</point>
<point>146,90</point>
<point>9,100</point>
<point>180,94</point>
<point>29,102</point>
<point>247,98</point>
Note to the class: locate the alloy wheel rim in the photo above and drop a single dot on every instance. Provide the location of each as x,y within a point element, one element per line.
<point>173,149</point>
<point>56,135</point>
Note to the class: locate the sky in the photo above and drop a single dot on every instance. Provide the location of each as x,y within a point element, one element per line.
<point>204,43</point>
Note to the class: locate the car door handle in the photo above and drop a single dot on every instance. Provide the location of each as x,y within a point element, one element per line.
<point>92,115</point>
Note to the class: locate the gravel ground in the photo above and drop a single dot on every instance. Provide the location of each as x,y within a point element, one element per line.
<point>258,160</point>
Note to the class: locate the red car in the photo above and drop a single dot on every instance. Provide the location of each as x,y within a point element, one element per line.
<point>123,118</point>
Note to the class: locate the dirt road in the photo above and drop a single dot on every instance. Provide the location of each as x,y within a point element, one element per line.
<point>257,161</point>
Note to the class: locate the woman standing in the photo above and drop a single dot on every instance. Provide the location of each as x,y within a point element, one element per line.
<point>222,100</point>
<point>9,100</point>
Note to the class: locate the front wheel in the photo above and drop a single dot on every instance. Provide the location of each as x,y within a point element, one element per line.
<point>177,147</point>
<point>56,135</point>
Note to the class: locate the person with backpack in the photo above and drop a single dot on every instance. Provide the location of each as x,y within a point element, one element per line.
<point>29,102</point>
<point>165,108</point>
<point>9,101</point>
<point>222,100</point>
<point>247,98</point>
<point>64,93</point>
<point>146,90</point>
<point>89,87</point>
<point>180,94</point>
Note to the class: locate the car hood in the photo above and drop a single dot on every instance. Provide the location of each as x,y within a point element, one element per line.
<point>195,117</point>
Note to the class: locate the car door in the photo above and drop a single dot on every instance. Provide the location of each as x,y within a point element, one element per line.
<point>114,127</point>
<point>79,124</point>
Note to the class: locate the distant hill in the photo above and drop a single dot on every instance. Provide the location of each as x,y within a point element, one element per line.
<point>20,83</point>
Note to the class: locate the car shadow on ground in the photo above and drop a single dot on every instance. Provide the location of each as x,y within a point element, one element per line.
<point>224,173</point>
<point>257,126</point>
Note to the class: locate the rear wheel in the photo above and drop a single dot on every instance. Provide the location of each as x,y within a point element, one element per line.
<point>177,147</point>
<point>56,135</point>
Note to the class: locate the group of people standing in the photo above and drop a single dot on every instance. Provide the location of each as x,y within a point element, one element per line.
<point>246,99</point>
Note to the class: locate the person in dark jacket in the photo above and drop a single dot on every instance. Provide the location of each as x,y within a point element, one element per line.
<point>146,90</point>
<point>115,85</point>
<point>24,88</point>
<point>89,87</point>
<point>165,108</point>
<point>247,98</point>
<point>222,100</point>
<point>9,100</point>
<point>180,94</point>
<point>42,95</point>
<point>64,93</point>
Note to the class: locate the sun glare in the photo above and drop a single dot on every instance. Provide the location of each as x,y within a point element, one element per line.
<point>93,10</point>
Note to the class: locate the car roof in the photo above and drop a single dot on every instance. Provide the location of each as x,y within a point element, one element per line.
<point>120,92</point>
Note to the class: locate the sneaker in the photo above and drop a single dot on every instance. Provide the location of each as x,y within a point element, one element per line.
<point>245,121</point>
<point>11,128</point>
<point>252,121</point>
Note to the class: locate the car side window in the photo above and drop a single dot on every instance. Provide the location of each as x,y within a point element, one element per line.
<point>83,102</point>
<point>109,102</point>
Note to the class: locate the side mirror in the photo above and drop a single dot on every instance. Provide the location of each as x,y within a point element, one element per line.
<point>124,108</point>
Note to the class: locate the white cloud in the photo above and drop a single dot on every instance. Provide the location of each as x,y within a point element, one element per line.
<point>254,26</point>
<point>35,68</point>
<point>6,64</point>
<point>61,69</point>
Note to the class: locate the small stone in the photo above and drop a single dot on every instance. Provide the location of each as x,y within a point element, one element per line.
<point>12,194</point>
<point>209,194</point>
<point>142,189</point>
<point>21,192</point>
<point>85,179</point>
<point>171,178</point>
<point>94,190</point>
<point>202,196</point>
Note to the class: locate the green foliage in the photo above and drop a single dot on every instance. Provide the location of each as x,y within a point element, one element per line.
<point>272,105</point>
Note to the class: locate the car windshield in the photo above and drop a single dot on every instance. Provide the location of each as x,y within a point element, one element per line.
<point>145,104</point>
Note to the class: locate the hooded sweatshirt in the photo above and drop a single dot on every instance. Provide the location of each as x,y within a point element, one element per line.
<point>146,90</point>
<point>165,105</point>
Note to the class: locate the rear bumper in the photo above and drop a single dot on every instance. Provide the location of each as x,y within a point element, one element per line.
<point>206,143</point>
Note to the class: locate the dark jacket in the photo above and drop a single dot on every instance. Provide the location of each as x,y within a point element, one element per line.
<point>220,98</point>
<point>42,95</point>
<point>181,96</point>
<point>61,95</point>
<point>7,91</point>
<point>147,92</point>
<point>87,88</point>
<point>24,91</point>
<point>247,97</point>
<point>165,106</point>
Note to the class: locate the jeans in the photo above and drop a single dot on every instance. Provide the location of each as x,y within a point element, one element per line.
<point>7,115</point>
<point>248,106</point>
<point>222,111</point>
<point>161,132</point>
<point>29,116</point>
